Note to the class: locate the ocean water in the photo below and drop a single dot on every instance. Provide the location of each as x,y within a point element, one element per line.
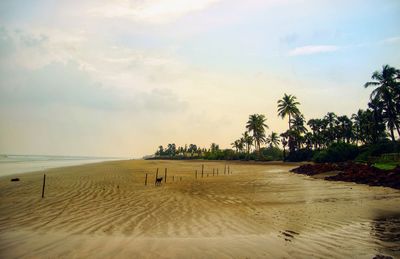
<point>17,164</point>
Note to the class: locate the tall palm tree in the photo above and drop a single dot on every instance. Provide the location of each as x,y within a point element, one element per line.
<point>256,124</point>
<point>387,91</point>
<point>287,106</point>
<point>273,139</point>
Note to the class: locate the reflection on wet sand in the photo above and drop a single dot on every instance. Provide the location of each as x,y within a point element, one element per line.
<point>386,230</point>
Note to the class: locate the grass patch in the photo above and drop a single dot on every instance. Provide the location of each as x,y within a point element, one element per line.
<point>386,166</point>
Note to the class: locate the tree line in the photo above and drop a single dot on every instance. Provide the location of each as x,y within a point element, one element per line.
<point>378,123</point>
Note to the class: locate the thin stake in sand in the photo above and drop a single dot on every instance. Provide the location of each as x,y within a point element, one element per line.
<point>145,181</point>
<point>165,175</point>
<point>44,184</point>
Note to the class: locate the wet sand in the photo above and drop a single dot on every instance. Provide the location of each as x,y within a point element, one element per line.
<point>260,211</point>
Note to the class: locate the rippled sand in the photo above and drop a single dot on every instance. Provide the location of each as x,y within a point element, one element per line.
<point>260,211</point>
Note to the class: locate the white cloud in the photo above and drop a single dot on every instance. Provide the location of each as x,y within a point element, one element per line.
<point>312,49</point>
<point>391,40</point>
<point>150,11</point>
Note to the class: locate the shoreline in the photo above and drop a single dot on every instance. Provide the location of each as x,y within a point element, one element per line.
<point>9,169</point>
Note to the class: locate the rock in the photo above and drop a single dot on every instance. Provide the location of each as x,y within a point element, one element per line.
<point>14,179</point>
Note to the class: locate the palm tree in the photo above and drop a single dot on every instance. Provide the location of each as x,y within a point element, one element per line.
<point>344,128</point>
<point>238,145</point>
<point>257,125</point>
<point>387,91</point>
<point>378,120</point>
<point>284,142</point>
<point>214,148</point>
<point>358,125</point>
<point>287,106</point>
<point>330,118</point>
<point>171,150</point>
<point>273,139</point>
<point>316,128</point>
<point>247,140</point>
<point>298,129</point>
<point>192,149</point>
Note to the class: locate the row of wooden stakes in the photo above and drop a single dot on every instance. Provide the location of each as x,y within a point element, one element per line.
<point>158,180</point>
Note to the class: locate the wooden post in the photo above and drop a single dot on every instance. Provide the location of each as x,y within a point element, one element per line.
<point>181,178</point>
<point>196,174</point>
<point>165,175</point>
<point>213,171</point>
<point>145,181</point>
<point>44,184</point>
<point>224,169</point>
<point>202,170</point>
<point>155,181</point>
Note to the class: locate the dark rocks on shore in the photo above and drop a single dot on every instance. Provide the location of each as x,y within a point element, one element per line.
<point>353,172</point>
<point>14,179</point>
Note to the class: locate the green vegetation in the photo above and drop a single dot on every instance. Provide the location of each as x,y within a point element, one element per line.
<point>337,152</point>
<point>386,166</point>
<point>362,137</point>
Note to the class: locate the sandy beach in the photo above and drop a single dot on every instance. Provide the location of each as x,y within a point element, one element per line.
<point>104,210</point>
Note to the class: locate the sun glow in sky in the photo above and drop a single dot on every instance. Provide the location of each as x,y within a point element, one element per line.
<point>119,78</point>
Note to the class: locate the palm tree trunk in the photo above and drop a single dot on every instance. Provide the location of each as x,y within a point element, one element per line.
<point>398,129</point>
<point>392,134</point>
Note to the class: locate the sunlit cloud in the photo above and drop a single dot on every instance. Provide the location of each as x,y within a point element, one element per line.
<point>150,11</point>
<point>312,49</point>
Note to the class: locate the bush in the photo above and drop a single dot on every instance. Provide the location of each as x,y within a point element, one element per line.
<point>337,152</point>
<point>271,154</point>
<point>376,150</point>
<point>300,155</point>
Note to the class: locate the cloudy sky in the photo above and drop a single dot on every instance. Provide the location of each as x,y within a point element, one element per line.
<point>118,78</point>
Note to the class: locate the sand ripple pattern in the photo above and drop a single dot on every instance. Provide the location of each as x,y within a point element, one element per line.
<point>258,211</point>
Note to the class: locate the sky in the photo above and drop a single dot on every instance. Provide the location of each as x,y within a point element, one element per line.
<point>120,78</point>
